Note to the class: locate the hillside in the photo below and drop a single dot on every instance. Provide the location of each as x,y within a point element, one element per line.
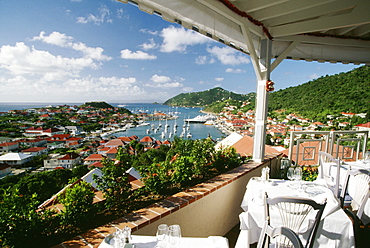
<point>344,92</point>
<point>204,98</point>
<point>104,105</point>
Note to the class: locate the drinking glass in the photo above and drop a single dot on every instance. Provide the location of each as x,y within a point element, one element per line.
<point>298,173</point>
<point>117,239</point>
<point>290,174</point>
<point>174,236</point>
<point>162,232</point>
<point>298,176</point>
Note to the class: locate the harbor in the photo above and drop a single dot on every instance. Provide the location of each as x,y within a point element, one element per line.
<point>184,122</point>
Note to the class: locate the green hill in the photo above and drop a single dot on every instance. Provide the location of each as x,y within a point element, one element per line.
<point>104,105</point>
<point>97,105</point>
<point>344,92</point>
<point>204,98</point>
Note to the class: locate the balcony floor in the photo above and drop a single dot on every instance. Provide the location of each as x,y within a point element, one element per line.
<point>232,235</point>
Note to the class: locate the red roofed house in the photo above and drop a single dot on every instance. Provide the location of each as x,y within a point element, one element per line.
<point>147,141</point>
<point>35,151</point>
<point>94,158</point>
<point>33,131</point>
<point>59,137</point>
<point>52,131</point>
<point>62,160</point>
<point>114,143</point>
<point>9,147</point>
<point>70,160</point>
<point>363,127</point>
<point>111,153</point>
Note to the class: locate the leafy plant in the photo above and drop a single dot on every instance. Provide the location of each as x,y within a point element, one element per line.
<point>78,204</point>
<point>114,181</point>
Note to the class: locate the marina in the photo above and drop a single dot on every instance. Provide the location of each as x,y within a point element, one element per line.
<point>180,123</point>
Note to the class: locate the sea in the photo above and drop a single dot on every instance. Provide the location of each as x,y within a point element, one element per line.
<point>197,130</point>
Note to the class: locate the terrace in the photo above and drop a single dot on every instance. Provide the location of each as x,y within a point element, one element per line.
<point>335,31</point>
<point>207,209</point>
<point>212,208</point>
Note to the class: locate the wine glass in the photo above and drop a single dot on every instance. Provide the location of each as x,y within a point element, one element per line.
<point>117,239</point>
<point>174,236</point>
<point>298,175</point>
<point>162,232</point>
<point>290,174</point>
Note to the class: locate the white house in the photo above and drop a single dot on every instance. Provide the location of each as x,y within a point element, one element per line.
<point>9,147</point>
<point>15,159</point>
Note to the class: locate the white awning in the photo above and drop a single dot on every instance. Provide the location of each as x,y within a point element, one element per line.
<point>336,31</point>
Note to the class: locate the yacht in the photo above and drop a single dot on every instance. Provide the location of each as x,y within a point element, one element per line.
<point>201,119</point>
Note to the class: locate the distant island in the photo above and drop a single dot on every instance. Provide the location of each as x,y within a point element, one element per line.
<point>100,104</point>
<point>104,105</point>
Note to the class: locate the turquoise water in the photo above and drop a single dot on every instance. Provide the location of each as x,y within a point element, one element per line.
<point>198,131</point>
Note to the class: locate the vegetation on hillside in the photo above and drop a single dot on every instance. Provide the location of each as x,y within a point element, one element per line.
<point>204,98</point>
<point>344,92</point>
<point>104,105</point>
<point>97,105</point>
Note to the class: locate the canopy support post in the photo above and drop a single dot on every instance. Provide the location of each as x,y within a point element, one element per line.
<point>262,100</point>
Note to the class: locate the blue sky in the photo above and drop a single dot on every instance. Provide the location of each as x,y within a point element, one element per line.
<point>104,50</point>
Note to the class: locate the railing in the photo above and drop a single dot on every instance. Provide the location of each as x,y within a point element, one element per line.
<point>346,145</point>
<point>207,209</point>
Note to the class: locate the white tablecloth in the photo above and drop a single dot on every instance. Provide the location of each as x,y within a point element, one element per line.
<point>150,241</point>
<point>335,229</point>
<point>355,165</point>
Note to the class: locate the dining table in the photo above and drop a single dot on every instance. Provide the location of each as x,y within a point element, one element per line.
<point>345,166</point>
<point>335,228</point>
<point>143,241</point>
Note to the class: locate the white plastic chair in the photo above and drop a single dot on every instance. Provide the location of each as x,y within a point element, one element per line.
<point>293,212</point>
<point>326,161</point>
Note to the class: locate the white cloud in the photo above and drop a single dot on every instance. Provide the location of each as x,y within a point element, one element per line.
<point>74,89</point>
<point>127,54</point>
<point>188,89</point>
<point>177,39</point>
<point>121,14</point>
<point>164,82</point>
<point>21,59</point>
<point>62,40</point>
<point>150,45</point>
<point>202,60</point>
<point>102,17</point>
<point>160,79</point>
<point>219,79</point>
<point>228,56</point>
<point>147,31</point>
<point>313,76</point>
<point>165,85</point>
<point>230,70</point>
